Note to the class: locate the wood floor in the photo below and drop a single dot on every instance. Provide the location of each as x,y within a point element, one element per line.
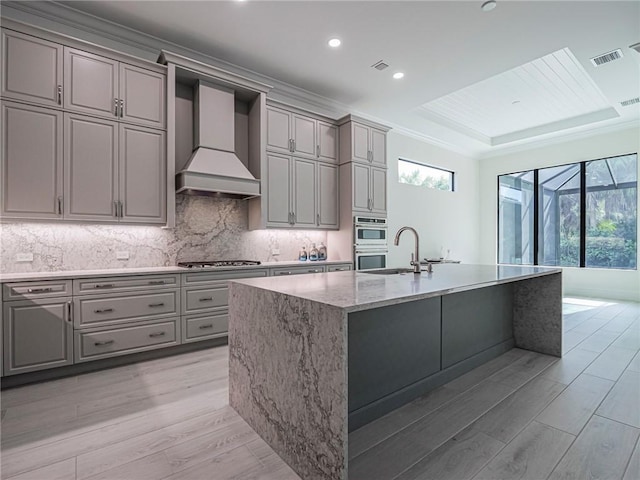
<point>520,416</point>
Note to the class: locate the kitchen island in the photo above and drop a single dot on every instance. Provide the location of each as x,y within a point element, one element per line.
<point>316,357</point>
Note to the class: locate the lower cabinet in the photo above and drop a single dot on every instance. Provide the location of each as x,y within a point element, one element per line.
<point>54,323</point>
<point>95,343</point>
<point>38,334</point>
<point>205,303</point>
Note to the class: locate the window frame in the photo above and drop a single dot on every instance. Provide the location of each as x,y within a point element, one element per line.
<point>422,164</point>
<point>583,210</point>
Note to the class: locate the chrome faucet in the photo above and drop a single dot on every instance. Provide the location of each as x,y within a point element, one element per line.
<point>415,257</point>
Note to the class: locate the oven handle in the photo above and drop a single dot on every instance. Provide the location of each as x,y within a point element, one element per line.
<point>374,251</point>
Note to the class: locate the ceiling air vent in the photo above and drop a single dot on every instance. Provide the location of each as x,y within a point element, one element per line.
<point>631,101</point>
<point>380,65</point>
<point>636,47</point>
<point>606,57</point>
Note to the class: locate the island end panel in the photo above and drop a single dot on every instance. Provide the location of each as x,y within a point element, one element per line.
<point>537,314</point>
<point>288,377</point>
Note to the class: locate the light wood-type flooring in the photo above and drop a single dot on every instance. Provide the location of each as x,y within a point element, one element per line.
<point>520,416</point>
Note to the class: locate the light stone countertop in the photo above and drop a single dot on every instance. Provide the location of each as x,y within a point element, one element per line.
<point>354,291</point>
<point>119,272</point>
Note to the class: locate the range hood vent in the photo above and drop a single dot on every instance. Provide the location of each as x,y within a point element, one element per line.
<point>214,169</point>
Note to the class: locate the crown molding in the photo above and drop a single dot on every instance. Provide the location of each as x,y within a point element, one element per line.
<point>563,138</point>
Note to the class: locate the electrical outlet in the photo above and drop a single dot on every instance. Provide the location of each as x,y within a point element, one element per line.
<point>275,251</point>
<point>123,255</point>
<point>24,257</point>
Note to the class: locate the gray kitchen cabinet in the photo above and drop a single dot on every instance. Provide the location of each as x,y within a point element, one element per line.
<point>361,141</point>
<point>142,96</point>
<point>31,171</point>
<point>278,197</point>
<point>369,188</point>
<point>91,83</point>
<point>304,135</point>
<point>106,342</point>
<point>113,172</point>
<point>105,87</point>
<point>90,168</point>
<point>292,193</point>
<point>328,196</point>
<point>301,135</point>
<point>142,172</point>
<point>327,142</point>
<point>278,130</point>
<point>304,193</point>
<point>31,69</point>
<point>310,267</point>
<point>205,303</point>
<point>378,190</point>
<point>38,334</point>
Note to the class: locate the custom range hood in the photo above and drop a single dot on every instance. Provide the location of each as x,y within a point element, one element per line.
<point>214,169</point>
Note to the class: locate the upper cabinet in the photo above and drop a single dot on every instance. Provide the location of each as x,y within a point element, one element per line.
<point>31,69</point>
<point>301,135</point>
<point>363,142</point>
<point>31,171</point>
<point>97,85</point>
<point>99,118</point>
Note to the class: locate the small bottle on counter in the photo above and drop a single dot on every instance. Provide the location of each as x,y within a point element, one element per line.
<point>322,251</point>
<point>302,255</point>
<point>313,253</point>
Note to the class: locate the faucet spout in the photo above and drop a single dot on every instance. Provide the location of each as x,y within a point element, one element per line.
<point>415,260</point>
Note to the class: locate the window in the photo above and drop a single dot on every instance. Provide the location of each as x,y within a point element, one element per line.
<point>578,215</point>
<point>413,173</point>
<point>516,218</point>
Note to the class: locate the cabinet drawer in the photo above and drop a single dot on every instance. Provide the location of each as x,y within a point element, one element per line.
<point>199,299</point>
<point>124,307</point>
<point>44,289</point>
<point>122,284</point>
<point>222,277</point>
<point>298,270</point>
<point>339,268</point>
<point>201,327</point>
<point>111,342</point>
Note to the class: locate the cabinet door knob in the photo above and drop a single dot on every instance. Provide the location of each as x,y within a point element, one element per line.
<point>59,205</point>
<point>59,94</point>
<point>115,106</point>
<point>121,108</point>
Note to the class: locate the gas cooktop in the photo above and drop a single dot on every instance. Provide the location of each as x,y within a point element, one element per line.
<point>218,263</point>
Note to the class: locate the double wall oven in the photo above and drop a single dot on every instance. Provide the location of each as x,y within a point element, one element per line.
<point>370,242</point>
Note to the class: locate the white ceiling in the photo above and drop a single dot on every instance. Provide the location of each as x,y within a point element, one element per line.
<point>442,47</point>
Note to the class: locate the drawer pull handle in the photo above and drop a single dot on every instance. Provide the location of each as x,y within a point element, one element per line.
<point>102,344</point>
<point>206,299</point>
<point>160,304</point>
<point>103,310</point>
<point>156,282</point>
<point>40,290</point>
<point>157,334</point>
<point>313,271</point>
<point>284,273</point>
<point>204,327</point>
<point>103,285</point>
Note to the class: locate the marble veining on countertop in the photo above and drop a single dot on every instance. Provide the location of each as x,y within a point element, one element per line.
<point>355,290</point>
<point>118,272</point>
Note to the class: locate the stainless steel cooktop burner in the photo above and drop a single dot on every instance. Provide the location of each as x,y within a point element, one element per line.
<point>218,263</point>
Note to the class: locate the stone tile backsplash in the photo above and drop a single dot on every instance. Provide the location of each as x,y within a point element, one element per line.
<point>206,228</point>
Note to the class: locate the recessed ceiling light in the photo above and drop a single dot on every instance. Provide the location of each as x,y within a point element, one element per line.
<point>334,42</point>
<point>398,75</point>
<point>488,5</point>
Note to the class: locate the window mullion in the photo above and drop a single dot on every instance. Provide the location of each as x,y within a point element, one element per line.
<point>536,189</point>
<point>583,214</point>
